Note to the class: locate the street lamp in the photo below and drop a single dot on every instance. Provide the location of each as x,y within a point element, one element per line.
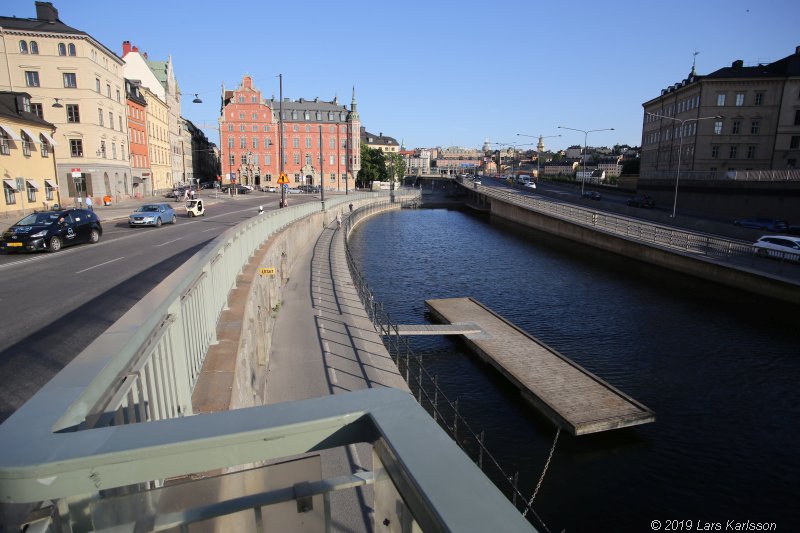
<point>585,136</point>
<point>539,148</point>
<point>680,149</point>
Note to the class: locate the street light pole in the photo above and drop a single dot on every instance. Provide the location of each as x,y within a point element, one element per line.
<point>585,148</point>
<point>539,148</point>
<point>680,150</point>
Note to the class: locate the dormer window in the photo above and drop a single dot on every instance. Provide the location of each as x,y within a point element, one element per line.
<point>305,115</point>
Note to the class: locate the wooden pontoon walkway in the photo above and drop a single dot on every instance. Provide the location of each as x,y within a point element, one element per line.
<point>567,394</point>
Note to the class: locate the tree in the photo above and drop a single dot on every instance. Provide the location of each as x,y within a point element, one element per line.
<point>373,166</point>
<point>396,166</point>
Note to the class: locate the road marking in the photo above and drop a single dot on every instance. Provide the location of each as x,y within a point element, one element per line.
<point>168,242</point>
<point>101,264</point>
<point>332,373</point>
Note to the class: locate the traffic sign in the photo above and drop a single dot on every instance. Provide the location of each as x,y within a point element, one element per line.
<point>283,179</point>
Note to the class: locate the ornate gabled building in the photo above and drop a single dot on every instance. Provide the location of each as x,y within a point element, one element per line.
<point>320,140</point>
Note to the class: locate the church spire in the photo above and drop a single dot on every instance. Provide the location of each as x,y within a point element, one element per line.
<point>353,106</point>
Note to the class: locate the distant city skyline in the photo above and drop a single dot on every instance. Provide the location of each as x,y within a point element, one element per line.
<point>445,74</point>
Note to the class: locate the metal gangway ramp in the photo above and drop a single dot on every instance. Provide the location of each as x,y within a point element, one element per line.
<point>569,395</point>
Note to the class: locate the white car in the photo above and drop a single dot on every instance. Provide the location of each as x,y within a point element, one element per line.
<point>530,185</point>
<point>779,246</point>
<point>269,188</point>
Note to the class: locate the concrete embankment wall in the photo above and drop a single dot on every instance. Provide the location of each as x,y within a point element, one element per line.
<point>692,265</point>
<point>234,374</point>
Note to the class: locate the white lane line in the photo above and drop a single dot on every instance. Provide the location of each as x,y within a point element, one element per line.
<point>332,373</point>
<point>101,264</point>
<point>168,242</point>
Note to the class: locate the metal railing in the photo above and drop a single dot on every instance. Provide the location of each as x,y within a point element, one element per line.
<point>739,254</point>
<point>425,386</point>
<point>724,175</point>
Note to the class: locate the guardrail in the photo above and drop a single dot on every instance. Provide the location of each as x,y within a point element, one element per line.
<point>738,253</point>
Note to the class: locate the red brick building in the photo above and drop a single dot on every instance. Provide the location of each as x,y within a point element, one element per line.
<point>249,127</point>
<point>137,142</point>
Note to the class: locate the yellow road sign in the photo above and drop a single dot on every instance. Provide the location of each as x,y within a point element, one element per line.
<point>265,271</point>
<point>283,179</point>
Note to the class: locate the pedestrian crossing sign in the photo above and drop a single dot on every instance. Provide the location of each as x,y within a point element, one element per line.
<point>283,180</point>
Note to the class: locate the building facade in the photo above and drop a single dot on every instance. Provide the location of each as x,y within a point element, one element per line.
<point>384,143</point>
<point>734,122</point>
<point>186,152</point>
<point>139,153</point>
<point>320,140</point>
<point>27,160</point>
<point>157,118</point>
<point>75,83</point>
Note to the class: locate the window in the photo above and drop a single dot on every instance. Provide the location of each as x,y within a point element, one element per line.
<point>267,142</point>
<point>267,177</point>
<point>4,149</point>
<point>71,49</point>
<point>241,99</point>
<point>715,152</point>
<point>244,159</point>
<point>31,78</point>
<point>31,190</point>
<point>241,116</point>
<point>111,120</point>
<point>796,115</point>
<point>717,127</point>
<point>308,142</point>
<point>230,127</point>
<point>759,99</point>
<point>48,191</point>
<point>255,159</point>
<point>231,160</point>
<point>103,149</point>
<point>34,47</point>
<point>294,116</point>
<point>266,128</point>
<point>230,142</point>
<point>243,142</point>
<point>8,192</point>
<point>241,127</point>
<point>255,143</point>
<point>118,95</point>
<point>751,152</point>
<point>733,151</point>
<point>62,49</point>
<point>100,117</point>
<point>23,47</point>
<point>296,158</point>
<point>297,178</point>
<point>254,116</point>
<point>44,149</point>
<point>254,128</point>
<point>794,142</point>
<point>295,143</point>
<point>736,127</point>
<point>70,81</point>
<point>319,117</point>
<point>739,99</point>
<point>308,159</point>
<point>113,150</point>
<point>721,100</point>
<point>267,160</point>
<point>333,176</point>
<point>76,147</point>
<point>754,127</point>
<point>254,100</point>
<point>36,109</point>
<point>97,85</point>
<point>331,143</point>
<point>332,159</point>
<point>306,116</point>
<point>73,114</point>
<point>108,90</point>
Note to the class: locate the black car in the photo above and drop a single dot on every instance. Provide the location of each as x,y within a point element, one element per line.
<point>52,230</point>
<point>641,200</point>
<point>592,195</point>
<point>769,224</point>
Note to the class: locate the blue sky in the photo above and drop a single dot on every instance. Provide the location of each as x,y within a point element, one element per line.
<point>447,73</point>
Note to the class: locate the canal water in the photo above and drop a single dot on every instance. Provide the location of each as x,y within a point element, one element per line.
<point>719,367</point>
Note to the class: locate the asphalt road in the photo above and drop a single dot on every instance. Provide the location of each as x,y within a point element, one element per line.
<point>52,305</point>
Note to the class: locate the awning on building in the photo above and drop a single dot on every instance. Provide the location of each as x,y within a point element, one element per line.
<point>31,136</point>
<point>50,183</point>
<point>11,184</point>
<point>10,132</point>
<point>49,139</point>
<point>33,185</point>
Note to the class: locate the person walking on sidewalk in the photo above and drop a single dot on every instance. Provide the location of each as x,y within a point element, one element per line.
<point>89,203</point>
<point>339,220</point>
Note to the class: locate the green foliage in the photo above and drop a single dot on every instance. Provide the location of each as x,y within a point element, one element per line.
<point>373,166</point>
<point>396,166</point>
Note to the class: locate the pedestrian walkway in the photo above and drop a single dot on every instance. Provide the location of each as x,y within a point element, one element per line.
<point>324,343</point>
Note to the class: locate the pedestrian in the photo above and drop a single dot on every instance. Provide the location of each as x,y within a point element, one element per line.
<point>80,202</point>
<point>339,220</point>
<point>89,203</point>
<point>351,207</point>
<point>185,194</point>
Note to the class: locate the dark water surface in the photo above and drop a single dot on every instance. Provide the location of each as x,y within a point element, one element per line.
<point>720,368</point>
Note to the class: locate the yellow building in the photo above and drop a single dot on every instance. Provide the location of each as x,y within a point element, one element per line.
<point>27,162</point>
<point>76,83</point>
<point>157,116</point>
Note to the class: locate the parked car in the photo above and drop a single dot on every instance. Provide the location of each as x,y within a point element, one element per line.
<point>293,190</point>
<point>476,180</point>
<point>780,246</point>
<point>238,189</point>
<point>176,193</point>
<point>52,230</point>
<point>769,224</point>
<point>269,188</point>
<point>152,215</point>
<point>592,195</point>
<point>308,188</point>
<point>530,185</point>
<point>641,200</point>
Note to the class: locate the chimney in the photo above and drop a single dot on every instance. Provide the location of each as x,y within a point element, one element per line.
<point>126,48</point>
<point>145,55</point>
<point>46,12</point>
<point>737,64</point>
<point>135,49</point>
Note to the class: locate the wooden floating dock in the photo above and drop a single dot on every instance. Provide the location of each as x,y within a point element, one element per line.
<point>567,394</point>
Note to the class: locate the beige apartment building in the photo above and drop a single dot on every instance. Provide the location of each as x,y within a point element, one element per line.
<point>27,164</point>
<point>738,122</point>
<point>75,83</point>
<point>157,117</point>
